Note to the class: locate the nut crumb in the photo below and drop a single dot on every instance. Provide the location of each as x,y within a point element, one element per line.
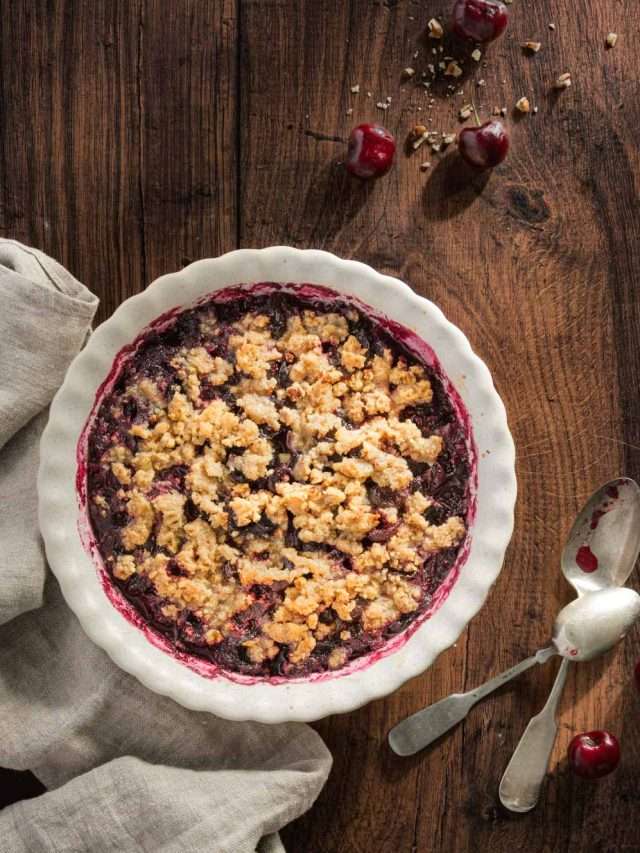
<point>552,26</point>
<point>563,81</point>
<point>424,166</point>
<point>532,46</point>
<point>356,88</point>
<point>611,40</point>
<point>435,29</point>
<point>465,112</point>
<point>523,105</point>
<point>408,72</point>
<point>382,106</point>
<point>453,70</point>
<point>476,55</point>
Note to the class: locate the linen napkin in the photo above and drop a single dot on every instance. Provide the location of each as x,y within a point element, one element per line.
<point>126,770</point>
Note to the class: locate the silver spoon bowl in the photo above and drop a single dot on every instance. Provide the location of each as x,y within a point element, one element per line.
<point>604,542</point>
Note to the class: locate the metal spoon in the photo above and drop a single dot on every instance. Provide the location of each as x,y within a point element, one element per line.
<point>607,535</point>
<point>421,729</point>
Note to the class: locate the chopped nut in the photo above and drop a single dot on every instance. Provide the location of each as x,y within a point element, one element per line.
<point>563,81</point>
<point>448,139</point>
<point>532,46</point>
<point>435,29</point>
<point>355,89</point>
<point>418,135</point>
<point>476,55</point>
<point>495,111</point>
<point>535,109</point>
<point>552,26</point>
<point>408,72</point>
<point>349,111</point>
<point>382,106</point>
<point>424,166</point>
<point>481,83</point>
<point>388,99</point>
<point>465,112</point>
<point>523,105</point>
<point>503,111</point>
<point>453,70</point>
<point>612,38</point>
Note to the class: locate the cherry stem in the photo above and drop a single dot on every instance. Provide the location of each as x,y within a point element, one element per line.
<point>475,111</point>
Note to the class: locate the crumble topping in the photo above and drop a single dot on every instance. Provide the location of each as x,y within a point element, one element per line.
<point>278,485</point>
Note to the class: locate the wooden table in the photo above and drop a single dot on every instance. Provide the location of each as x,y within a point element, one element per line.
<point>138,135</point>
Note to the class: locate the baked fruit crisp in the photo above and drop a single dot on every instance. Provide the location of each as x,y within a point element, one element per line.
<point>276,483</point>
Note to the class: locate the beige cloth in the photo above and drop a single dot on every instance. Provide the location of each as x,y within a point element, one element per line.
<point>126,770</point>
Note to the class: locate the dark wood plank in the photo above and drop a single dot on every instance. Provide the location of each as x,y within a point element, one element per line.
<point>189,130</point>
<point>70,141</point>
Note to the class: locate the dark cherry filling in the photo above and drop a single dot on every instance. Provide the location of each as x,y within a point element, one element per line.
<point>446,483</point>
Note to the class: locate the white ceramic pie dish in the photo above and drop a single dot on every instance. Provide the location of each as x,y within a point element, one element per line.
<point>62,517</point>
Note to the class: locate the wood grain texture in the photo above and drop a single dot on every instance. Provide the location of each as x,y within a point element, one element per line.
<point>137,136</point>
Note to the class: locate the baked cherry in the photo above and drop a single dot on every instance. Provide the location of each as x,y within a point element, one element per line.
<point>371,151</point>
<point>484,147</point>
<point>479,20</point>
<point>594,754</point>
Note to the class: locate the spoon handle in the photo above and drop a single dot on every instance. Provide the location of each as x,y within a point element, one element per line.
<point>523,778</point>
<point>422,728</point>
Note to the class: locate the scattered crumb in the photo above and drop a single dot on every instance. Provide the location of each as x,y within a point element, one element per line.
<point>368,94</point>
<point>435,29</point>
<point>425,166</point>
<point>355,89</point>
<point>453,70</point>
<point>382,106</point>
<point>503,111</point>
<point>388,99</point>
<point>408,72</point>
<point>465,112</point>
<point>563,81</point>
<point>476,55</point>
<point>552,26</point>
<point>418,136</point>
<point>523,105</point>
<point>532,46</point>
<point>349,112</point>
<point>448,138</point>
<point>535,109</point>
<point>611,40</point>
<point>481,82</point>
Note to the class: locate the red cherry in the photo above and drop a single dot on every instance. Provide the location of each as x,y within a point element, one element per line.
<point>371,151</point>
<point>479,20</point>
<point>484,147</point>
<point>594,754</point>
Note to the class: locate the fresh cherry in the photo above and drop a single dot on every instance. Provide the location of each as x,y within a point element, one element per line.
<point>371,151</point>
<point>594,754</point>
<point>485,146</point>
<point>479,20</point>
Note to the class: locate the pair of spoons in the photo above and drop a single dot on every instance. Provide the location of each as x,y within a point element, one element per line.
<point>598,558</point>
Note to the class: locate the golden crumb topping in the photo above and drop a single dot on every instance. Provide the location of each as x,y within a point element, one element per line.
<point>273,492</point>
